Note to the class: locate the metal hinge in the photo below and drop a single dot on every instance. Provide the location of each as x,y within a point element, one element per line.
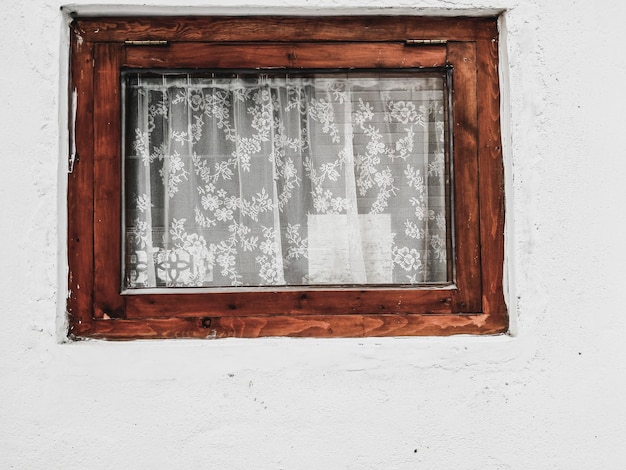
<point>146,43</point>
<point>423,42</point>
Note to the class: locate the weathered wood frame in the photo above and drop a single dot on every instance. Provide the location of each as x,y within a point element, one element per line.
<point>474,304</point>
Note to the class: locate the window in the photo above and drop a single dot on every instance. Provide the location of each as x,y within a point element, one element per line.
<point>285,176</point>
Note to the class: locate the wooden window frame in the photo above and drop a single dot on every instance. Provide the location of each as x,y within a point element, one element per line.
<point>102,47</point>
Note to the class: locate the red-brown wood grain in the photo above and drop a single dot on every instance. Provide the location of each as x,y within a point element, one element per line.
<point>462,56</point>
<point>473,304</point>
<point>491,179</point>
<point>107,181</point>
<point>296,55</point>
<point>319,326</point>
<point>80,190</point>
<point>373,28</point>
<point>290,302</point>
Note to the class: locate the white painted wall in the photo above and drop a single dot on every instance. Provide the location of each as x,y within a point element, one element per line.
<point>552,396</point>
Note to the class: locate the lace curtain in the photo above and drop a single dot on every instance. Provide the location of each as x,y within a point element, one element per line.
<point>253,180</point>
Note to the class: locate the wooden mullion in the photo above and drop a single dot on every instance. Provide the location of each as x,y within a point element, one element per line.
<point>293,55</point>
<point>318,326</point>
<point>119,329</point>
<point>295,302</point>
<point>284,29</point>
<point>348,325</point>
<point>80,189</point>
<point>107,178</point>
<point>462,56</point>
<point>491,173</point>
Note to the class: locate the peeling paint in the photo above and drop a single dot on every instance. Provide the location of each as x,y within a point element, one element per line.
<point>72,159</point>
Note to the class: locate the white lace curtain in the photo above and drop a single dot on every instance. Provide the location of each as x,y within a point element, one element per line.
<point>259,180</point>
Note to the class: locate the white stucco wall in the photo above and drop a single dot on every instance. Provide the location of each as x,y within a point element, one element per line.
<point>551,396</point>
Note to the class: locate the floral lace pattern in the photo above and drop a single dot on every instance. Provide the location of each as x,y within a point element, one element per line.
<point>222,171</point>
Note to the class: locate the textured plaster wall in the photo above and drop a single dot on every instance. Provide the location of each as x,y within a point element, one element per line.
<point>551,396</point>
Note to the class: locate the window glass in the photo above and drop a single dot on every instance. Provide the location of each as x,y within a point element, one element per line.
<point>257,179</point>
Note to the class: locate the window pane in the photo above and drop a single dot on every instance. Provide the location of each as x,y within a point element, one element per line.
<point>250,179</point>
